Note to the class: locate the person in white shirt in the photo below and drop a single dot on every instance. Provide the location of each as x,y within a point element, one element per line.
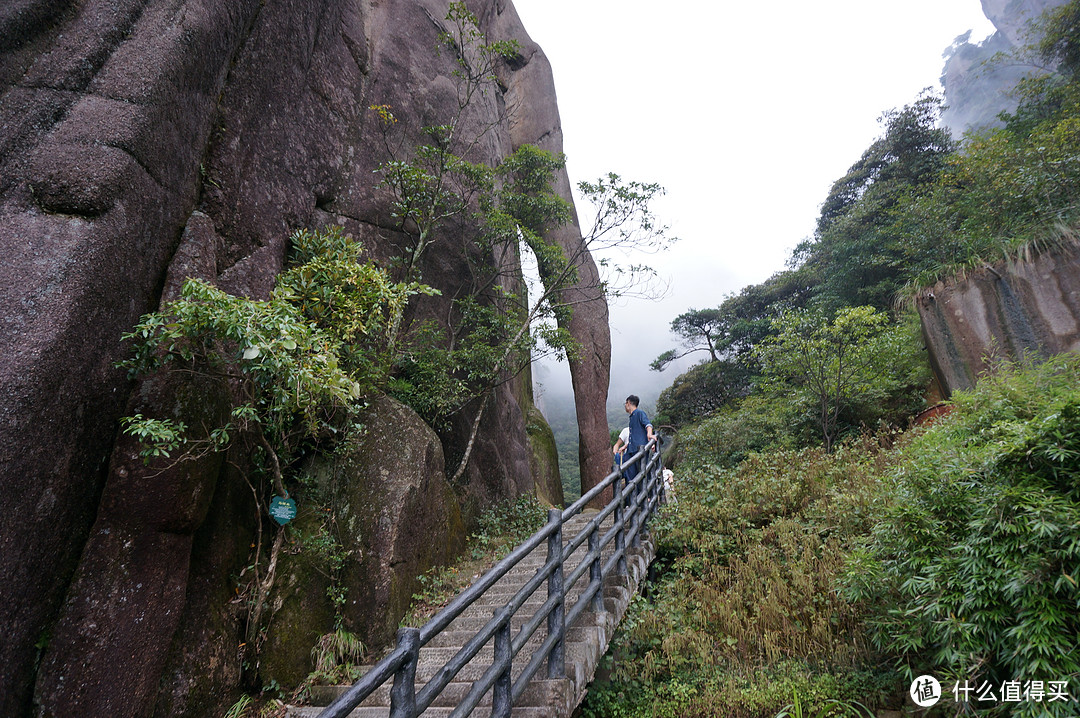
<point>669,486</point>
<point>620,446</point>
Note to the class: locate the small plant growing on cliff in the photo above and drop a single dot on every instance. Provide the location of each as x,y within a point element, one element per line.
<point>299,361</point>
<point>297,364</point>
<point>160,437</point>
<point>240,708</point>
<point>830,709</point>
<point>507,524</point>
<point>336,656</point>
<point>287,372</point>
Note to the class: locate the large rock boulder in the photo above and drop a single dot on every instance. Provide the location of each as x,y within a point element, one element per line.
<point>204,664</point>
<point>397,513</point>
<point>132,128</point>
<point>1010,311</point>
<point>106,112</point>
<point>130,588</point>
<point>590,369</point>
<point>544,458</point>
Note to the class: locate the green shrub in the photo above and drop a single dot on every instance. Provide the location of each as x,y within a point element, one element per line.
<point>974,566</point>
<point>299,361</point>
<point>731,434</point>
<point>506,524</point>
<point>757,693</point>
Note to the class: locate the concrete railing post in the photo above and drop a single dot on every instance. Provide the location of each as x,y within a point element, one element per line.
<point>620,534</point>
<point>500,694</point>
<point>635,496</point>
<point>556,624</point>
<point>403,693</point>
<point>596,571</point>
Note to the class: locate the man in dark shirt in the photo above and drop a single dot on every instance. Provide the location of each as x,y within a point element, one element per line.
<point>641,432</point>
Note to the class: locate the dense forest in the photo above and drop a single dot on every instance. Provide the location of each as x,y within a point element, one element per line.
<point>824,551</point>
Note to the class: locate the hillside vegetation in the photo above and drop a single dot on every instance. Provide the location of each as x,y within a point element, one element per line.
<point>821,548</point>
<point>952,550</point>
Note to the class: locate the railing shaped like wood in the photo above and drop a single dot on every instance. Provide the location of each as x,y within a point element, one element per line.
<point>633,503</point>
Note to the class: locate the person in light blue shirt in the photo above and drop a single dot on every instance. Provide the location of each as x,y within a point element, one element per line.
<point>641,432</point>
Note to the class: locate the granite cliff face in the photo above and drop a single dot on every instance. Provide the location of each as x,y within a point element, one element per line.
<point>1010,311</point>
<point>978,86</point>
<point>142,141</point>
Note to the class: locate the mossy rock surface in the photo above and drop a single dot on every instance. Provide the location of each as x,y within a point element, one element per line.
<point>300,608</point>
<point>202,675</point>
<point>544,458</point>
<point>396,513</point>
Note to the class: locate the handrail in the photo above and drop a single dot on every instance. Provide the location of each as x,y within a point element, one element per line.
<point>633,503</point>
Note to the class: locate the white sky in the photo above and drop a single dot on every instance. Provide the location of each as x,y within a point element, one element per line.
<point>745,113</point>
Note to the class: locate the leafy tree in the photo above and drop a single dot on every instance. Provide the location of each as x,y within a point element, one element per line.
<point>741,322</point>
<point>910,153</point>
<point>1010,187</point>
<point>701,390</point>
<point>623,222</point>
<point>857,251</point>
<point>1058,43</point>
<point>498,326</point>
<point>700,330</point>
<point>830,364</point>
<point>493,329</point>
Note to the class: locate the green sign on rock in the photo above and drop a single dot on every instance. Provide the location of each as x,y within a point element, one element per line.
<point>282,510</point>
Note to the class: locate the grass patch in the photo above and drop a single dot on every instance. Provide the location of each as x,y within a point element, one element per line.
<point>952,550</point>
<point>746,613</point>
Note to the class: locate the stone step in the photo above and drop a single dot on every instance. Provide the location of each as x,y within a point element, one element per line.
<point>469,673</point>
<point>440,655</point>
<point>451,638</point>
<point>517,581</point>
<point>539,692</point>
<point>585,641</point>
<point>433,712</point>
<point>434,658</point>
<point>474,621</point>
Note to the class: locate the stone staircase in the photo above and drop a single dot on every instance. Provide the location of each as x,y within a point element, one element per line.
<point>586,641</point>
